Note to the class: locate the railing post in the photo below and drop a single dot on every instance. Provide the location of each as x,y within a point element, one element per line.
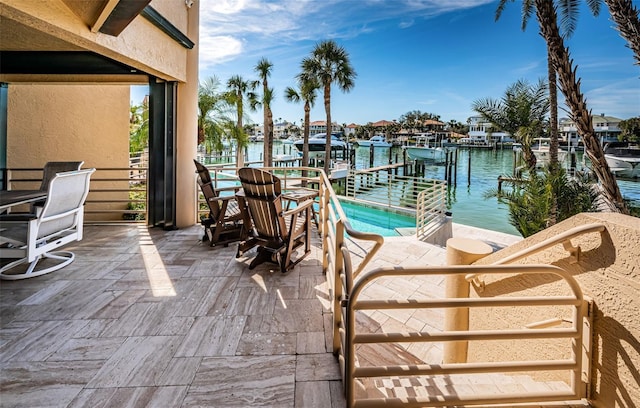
<point>460,251</point>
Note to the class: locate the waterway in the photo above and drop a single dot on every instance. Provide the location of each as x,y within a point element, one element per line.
<point>466,198</point>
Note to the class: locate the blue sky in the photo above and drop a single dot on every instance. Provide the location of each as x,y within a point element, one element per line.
<point>434,56</point>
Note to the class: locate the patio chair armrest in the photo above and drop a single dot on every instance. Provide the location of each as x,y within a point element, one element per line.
<point>19,217</point>
<point>230,188</point>
<point>299,208</point>
<point>223,198</point>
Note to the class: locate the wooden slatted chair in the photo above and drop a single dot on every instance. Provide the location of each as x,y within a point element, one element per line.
<point>276,232</point>
<point>224,223</point>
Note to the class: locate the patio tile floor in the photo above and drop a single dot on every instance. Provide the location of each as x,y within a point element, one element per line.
<point>151,318</point>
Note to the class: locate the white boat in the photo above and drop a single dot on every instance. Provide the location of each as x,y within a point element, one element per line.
<point>318,141</point>
<point>339,169</point>
<point>290,140</point>
<point>623,159</point>
<point>426,149</point>
<point>541,151</point>
<point>376,141</point>
<point>287,157</point>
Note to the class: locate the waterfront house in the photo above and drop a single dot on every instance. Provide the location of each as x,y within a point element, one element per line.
<point>606,128</point>
<point>482,132</point>
<point>350,130</point>
<point>281,130</point>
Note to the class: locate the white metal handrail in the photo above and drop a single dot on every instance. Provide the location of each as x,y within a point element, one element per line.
<point>388,188</point>
<point>431,209</point>
<point>563,238</point>
<point>351,339</point>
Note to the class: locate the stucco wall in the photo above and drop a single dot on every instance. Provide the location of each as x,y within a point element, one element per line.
<point>141,44</point>
<point>70,123</point>
<point>609,273</point>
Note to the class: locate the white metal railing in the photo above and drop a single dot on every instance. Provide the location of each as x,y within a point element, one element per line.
<point>346,282</point>
<point>353,340</point>
<point>387,188</point>
<point>424,198</point>
<point>431,209</point>
<point>563,238</point>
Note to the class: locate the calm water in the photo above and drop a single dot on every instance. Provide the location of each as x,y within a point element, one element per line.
<point>465,199</point>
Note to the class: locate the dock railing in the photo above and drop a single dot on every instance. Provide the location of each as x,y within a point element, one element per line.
<point>431,211</point>
<point>424,198</point>
<point>390,189</point>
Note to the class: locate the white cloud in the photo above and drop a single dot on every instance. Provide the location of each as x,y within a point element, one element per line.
<point>619,98</point>
<point>224,6</point>
<point>406,23</point>
<point>263,23</point>
<point>529,68</point>
<point>218,49</point>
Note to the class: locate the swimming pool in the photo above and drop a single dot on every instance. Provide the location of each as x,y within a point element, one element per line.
<point>369,218</point>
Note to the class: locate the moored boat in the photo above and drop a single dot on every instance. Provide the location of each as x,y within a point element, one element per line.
<point>339,169</point>
<point>376,141</point>
<point>317,143</point>
<point>435,154</point>
<point>541,151</point>
<point>426,149</point>
<point>623,159</point>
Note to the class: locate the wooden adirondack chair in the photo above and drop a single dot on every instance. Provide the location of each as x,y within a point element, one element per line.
<point>277,232</point>
<point>224,223</point>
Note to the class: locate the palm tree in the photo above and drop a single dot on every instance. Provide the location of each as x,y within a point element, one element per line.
<point>306,94</point>
<point>139,127</point>
<point>559,58</point>
<point>521,112</point>
<point>553,92</point>
<point>626,17</point>
<point>329,63</point>
<point>211,114</point>
<point>239,89</point>
<point>263,68</point>
<point>570,85</point>
<point>530,202</point>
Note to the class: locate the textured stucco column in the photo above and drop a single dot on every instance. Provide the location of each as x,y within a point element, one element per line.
<point>460,251</point>
<point>187,139</point>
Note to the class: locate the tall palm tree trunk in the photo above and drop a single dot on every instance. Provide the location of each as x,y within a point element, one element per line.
<point>553,133</point>
<point>626,17</point>
<point>327,109</point>
<point>239,149</point>
<point>553,111</point>
<point>266,160</point>
<point>574,99</point>
<point>239,152</point>
<point>268,140</point>
<point>305,141</point>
